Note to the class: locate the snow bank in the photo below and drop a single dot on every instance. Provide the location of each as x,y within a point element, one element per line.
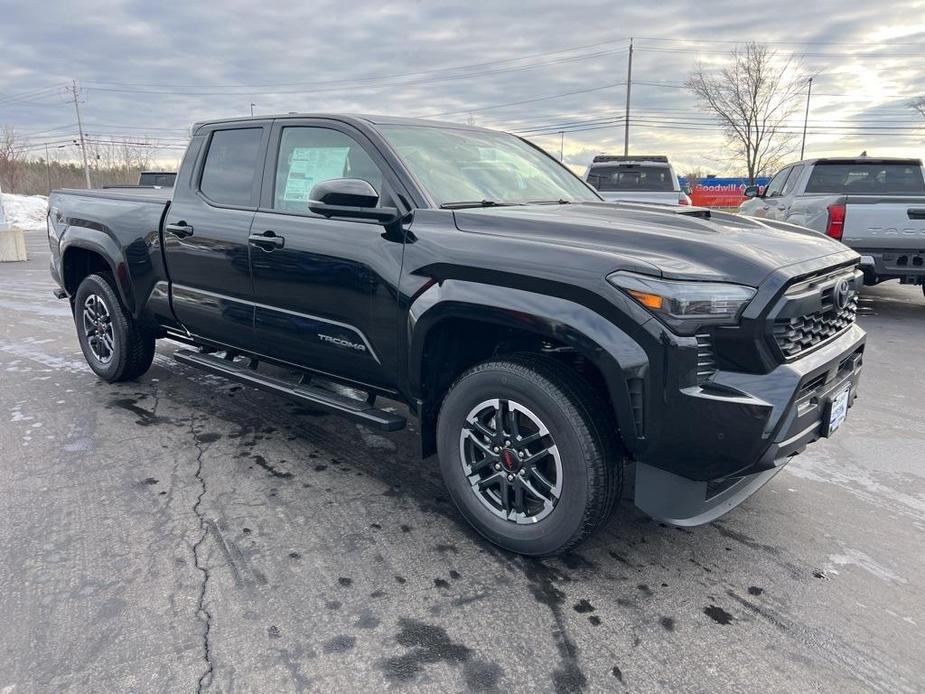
<point>25,211</point>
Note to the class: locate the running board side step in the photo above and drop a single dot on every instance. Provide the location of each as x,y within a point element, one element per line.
<point>312,396</point>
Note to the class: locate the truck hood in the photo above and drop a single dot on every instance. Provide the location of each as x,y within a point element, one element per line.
<point>680,243</point>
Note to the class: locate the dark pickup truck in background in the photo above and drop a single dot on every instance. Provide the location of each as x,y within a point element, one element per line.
<point>542,336</point>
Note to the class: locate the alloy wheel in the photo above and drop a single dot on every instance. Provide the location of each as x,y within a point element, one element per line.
<point>97,324</point>
<point>511,461</point>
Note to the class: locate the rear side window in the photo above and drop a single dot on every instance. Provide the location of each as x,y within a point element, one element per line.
<point>866,178</point>
<point>631,177</point>
<point>230,170</point>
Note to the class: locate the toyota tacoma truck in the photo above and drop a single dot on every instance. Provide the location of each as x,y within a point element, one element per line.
<point>874,205</point>
<point>542,337</point>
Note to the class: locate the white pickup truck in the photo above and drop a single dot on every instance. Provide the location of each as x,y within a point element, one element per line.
<point>874,205</point>
<point>634,178</point>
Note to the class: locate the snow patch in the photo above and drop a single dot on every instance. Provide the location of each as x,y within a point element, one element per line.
<point>25,211</point>
<point>857,558</point>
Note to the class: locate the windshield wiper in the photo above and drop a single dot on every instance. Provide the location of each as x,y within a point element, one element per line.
<point>476,203</point>
<point>560,201</point>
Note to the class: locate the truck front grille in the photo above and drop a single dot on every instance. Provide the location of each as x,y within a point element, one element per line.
<point>812,313</point>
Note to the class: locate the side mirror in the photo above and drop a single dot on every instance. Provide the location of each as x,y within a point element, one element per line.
<point>349,198</point>
<point>751,191</point>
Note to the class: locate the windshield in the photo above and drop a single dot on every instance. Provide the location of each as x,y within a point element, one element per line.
<point>865,177</point>
<point>631,177</point>
<point>482,166</point>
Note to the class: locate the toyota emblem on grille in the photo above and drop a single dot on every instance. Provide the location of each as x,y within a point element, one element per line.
<point>842,294</point>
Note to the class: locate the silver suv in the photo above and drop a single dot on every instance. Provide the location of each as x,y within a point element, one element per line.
<point>636,179</point>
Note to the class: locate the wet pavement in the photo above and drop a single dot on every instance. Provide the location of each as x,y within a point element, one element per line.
<point>184,533</point>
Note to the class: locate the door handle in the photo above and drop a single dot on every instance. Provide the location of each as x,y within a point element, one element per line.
<point>267,238</point>
<point>180,229</point>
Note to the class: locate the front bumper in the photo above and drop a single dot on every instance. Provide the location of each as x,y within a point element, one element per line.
<point>740,429</point>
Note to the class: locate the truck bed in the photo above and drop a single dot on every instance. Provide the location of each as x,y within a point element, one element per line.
<point>130,220</point>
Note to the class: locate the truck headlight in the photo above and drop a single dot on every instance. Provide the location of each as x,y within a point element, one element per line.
<point>686,306</point>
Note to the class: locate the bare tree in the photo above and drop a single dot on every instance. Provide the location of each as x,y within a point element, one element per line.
<point>753,97</point>
<point>13,150</point>
<point>919,105</point>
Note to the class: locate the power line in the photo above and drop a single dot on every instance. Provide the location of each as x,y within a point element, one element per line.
<point>341,86</point>
<point>699,51</point>
<point>526,101</point>
<point>455,68</point>
<point>788,43</point>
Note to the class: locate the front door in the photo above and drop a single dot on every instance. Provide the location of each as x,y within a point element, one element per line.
<point>206,234</point>
<point>770,201</point>
<point>325,290</point>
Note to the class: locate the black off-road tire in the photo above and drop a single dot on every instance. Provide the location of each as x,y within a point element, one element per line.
<point>577,420</point>
<point>132,349</point>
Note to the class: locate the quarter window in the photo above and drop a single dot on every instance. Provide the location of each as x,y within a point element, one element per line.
<point>309,156</point>
<point>231,167</point>
<point>792,180</point>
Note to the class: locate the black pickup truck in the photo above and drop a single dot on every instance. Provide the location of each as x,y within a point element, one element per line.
<point>543,337</point>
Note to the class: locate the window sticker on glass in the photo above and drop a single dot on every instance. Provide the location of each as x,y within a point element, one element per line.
<point>311,165</point>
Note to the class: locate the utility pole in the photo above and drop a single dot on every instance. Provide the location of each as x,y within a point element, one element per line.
<point>47,169</point>
<point>252,110</point>
<point>809,93</point>
<point>3,224</point>
<point>561,144</point>
<point>629,87</point>
<point>80,130</point>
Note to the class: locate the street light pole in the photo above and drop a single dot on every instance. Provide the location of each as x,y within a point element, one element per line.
<point>809,93</point>
<point>252,110</point>
<point>629,87</point>
<point>561,144</point>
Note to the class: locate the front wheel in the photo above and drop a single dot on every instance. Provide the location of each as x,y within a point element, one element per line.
<point>528,455</point>
<point>113,345</point>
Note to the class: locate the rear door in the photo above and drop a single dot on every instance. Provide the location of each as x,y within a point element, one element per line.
<point>325,289</point>
<point>206,233</point>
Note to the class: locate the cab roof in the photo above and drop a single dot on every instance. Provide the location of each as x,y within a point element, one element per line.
<point>351,118</point>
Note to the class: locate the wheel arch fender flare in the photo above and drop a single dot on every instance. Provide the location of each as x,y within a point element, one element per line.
<point>613,351</point>
<point>103,244</point>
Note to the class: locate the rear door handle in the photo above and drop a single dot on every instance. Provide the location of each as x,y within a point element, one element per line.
<point>267,240</point>
<point>180,229</point>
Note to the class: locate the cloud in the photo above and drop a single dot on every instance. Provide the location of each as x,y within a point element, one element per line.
<point>151,69</point>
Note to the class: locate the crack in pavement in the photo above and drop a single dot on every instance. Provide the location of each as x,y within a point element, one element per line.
<point>202,612</point>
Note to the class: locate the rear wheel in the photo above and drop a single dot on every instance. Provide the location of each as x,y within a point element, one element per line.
<point>527,454</point>
<point>113,345</point>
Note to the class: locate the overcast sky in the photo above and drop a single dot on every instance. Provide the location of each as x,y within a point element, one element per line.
<point>149,69</point>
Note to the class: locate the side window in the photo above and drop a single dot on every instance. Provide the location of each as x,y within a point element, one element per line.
<point>309,156</point>
<point>776,184</point>
<point>792,180</point>
<point>231,166</point>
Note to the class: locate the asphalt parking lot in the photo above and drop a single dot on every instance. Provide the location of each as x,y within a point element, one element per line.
<point>183,533</point>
